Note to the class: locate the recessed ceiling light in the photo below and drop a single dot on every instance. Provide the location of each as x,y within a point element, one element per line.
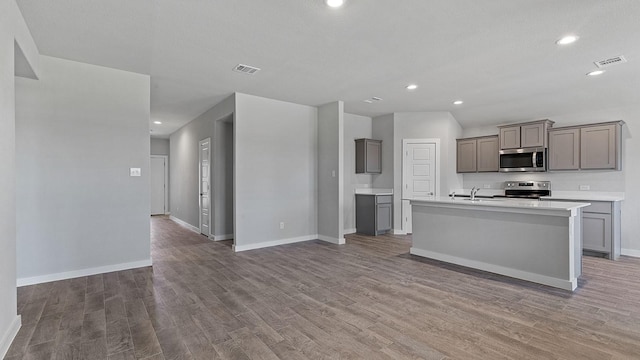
<point>596,73</point>
<point>412,87</point>
<point>157,122</point>
<point>566,40</point>
<point>458,102</point>
<point>334,3</point>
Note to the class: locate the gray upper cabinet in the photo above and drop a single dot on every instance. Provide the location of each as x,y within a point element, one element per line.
<point>488,157</point>
<point>564,149</point>
<point>600,147</point>
<point>586,147</point>
<point>525,135</point>
<point>533,135</point>
<point>477,154</point>
<point>510,137</point>
<point>368,156</point>
<point>466,155</point>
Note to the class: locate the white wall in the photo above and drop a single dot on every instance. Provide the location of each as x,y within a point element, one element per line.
<point>78,131</point>
<point>383,128</point>
<point>159,146</point>
<point>275,172</point>
<point>355,127</point>
<point>625,181</point>
<point>331,172</point>
<point>183,172</point>
<point>13,31</point>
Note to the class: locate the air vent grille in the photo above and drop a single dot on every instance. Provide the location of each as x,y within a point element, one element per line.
<point>372,100</point>
<point>246,69</point>
<point>611,61</point>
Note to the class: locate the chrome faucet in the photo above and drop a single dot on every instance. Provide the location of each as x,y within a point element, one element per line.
<point>473,193</point>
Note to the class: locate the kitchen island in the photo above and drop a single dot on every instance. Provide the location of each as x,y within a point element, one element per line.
<point>533,240</point>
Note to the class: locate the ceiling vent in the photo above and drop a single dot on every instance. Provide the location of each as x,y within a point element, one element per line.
<point>372,100</point>
<point>611,61</point>
<point>246,69</point>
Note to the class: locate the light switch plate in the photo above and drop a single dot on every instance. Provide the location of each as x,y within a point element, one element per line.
<point>135,172</point>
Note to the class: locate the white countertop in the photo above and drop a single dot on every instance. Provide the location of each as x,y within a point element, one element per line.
<point>502,203</point>
<point>374,191</point>
<point>585,196</point>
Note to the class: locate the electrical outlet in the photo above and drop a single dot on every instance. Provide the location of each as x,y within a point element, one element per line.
<point>487,186</point>
<point>282,225</point>
<point>584,187</point>
<point>135,172</point>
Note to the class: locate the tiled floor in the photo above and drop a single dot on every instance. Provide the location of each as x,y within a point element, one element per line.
<point>368,299</point>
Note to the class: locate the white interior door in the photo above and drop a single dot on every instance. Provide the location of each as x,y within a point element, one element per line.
<point>420,174</point>
<point>205,185</point>
<point>158,185</point>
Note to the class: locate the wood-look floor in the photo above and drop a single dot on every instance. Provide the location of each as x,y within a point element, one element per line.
<point>368,299</point>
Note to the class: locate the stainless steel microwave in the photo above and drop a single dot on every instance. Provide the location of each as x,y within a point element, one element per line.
<point>523,160</point>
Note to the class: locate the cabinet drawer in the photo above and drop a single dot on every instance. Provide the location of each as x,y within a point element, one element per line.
<point>598,207</point>
<point>384,199</point>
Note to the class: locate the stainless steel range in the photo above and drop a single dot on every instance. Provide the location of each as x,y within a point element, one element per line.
<point>526,189</point>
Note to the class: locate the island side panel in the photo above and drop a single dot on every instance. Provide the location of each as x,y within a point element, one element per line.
<point>532,247</point>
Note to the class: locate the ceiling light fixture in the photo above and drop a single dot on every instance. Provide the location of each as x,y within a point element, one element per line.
<point>596,73</point>
<point>158,122</point>
<point>566,40</point>
<point>334,3</point>
<point>458,102</point>
<point>412,87</point>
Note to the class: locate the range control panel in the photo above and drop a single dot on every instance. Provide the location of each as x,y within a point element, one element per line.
<point>528,185</point>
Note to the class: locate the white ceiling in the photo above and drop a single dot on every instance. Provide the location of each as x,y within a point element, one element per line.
<point>499,56</point>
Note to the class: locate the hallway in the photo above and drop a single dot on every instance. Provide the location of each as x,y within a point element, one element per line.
<point>367,299</point>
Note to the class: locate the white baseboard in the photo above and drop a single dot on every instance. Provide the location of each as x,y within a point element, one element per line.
<point>630,252</point>
<point>238,248</point>
<point>497,269</point>
<point>350,231</point>
<point>221,237</point>
<point>83,272</point>
<point>332,240</point>
<point>398,232</point>
<point>185,224</point>
<point>9,335</point>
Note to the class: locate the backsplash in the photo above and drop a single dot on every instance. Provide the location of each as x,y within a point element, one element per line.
<point>564,181</point>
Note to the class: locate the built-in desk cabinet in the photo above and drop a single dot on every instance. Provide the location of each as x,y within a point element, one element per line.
<point>477,154</point>
<point>368,156</point>
<point>374,213</point>
<point>525,135</point>
<point>587,147</point>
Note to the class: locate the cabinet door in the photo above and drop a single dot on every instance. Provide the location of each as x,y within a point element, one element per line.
<point>510,137</point>
<point>488,157</point>
<point>598,148</point>
<point>596,232</point>
<point>374,157</point>
<point>564,149</point>
<point>383,217</point>
<point>466,156</point>
<point>532,135</point>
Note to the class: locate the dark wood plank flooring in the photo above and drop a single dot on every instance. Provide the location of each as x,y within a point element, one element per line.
<point>368,299</point>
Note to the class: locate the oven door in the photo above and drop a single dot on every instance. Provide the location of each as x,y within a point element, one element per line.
<point>523,160</point>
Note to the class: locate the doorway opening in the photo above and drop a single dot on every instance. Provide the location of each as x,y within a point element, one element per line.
<point>223,180</point>
<point>159,171</point>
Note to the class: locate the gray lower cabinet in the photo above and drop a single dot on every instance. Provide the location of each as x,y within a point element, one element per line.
<point>374,213</point>
<point>601,226</point>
